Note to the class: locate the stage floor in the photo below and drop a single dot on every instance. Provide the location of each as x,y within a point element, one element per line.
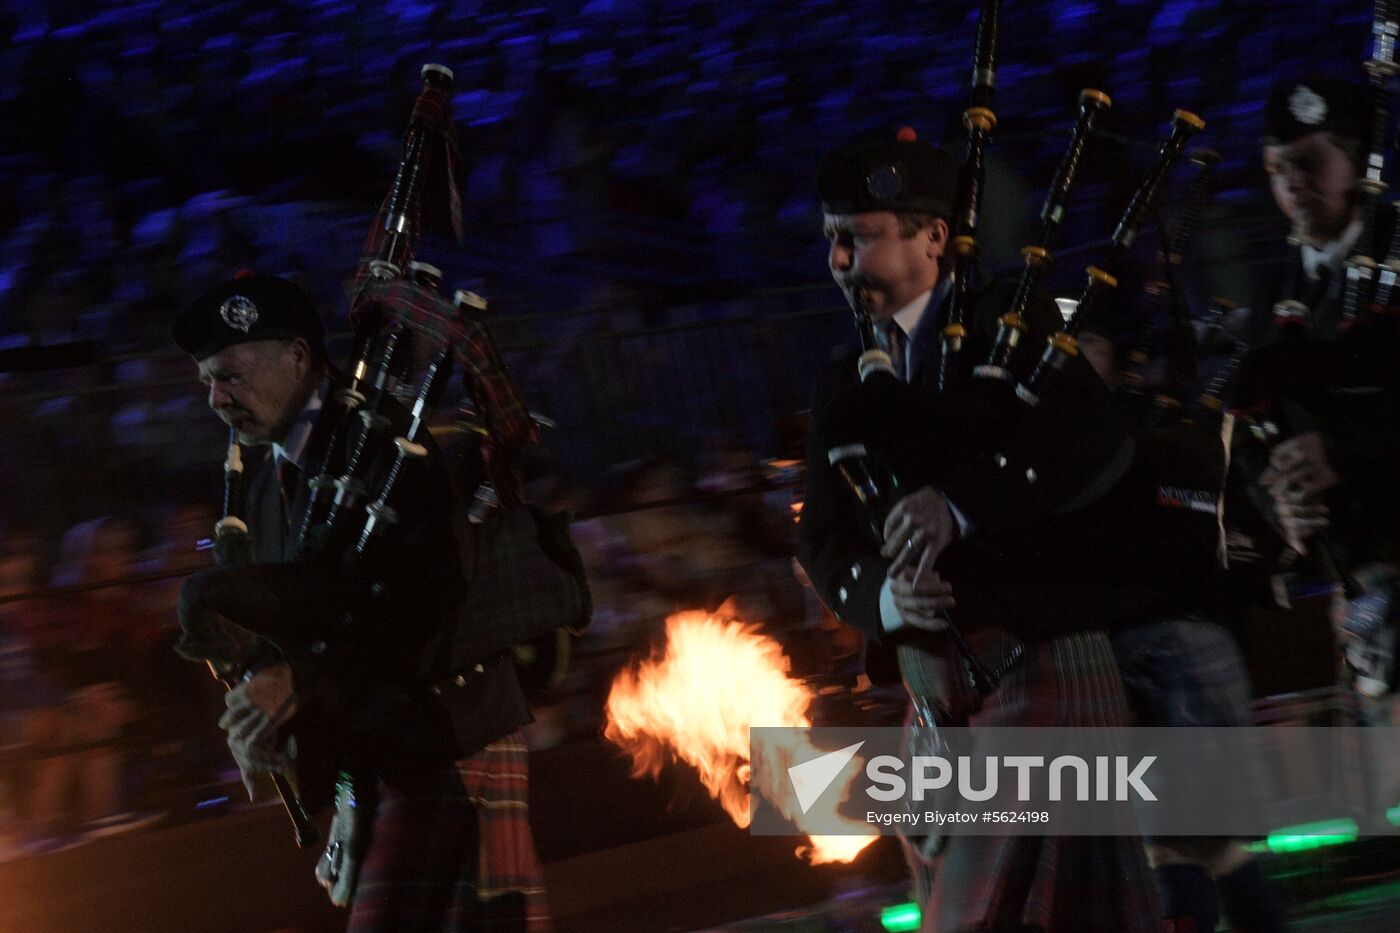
<point>239,873</point>
<point>1365,909</point>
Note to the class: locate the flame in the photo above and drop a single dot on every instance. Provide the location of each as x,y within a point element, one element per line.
<point>697,702</point>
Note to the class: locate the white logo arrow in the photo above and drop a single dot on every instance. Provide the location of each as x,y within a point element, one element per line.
<point>811,778</point>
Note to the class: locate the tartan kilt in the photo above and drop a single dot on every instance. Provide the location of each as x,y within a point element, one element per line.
<point>1056,884</point>
<point>450,850</point>
<point>420,868</point>
<point>497,779</point>
<point>1187,671</point>
<point>1183,671</point>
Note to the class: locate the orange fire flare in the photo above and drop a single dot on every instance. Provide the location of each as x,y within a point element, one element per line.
<point>696,703</point>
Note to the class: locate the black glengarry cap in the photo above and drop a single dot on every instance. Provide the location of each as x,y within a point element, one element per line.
<point>1317,103</point>
<point>902,175</point>
<point>246,308</point>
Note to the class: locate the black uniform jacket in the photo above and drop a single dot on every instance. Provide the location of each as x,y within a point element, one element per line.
<point>1343,383</point>
<point>1054,495</point>
<point>382,668</point>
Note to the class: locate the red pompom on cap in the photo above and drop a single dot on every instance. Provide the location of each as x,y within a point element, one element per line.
<point>906,134</point>
<point>244,274</point>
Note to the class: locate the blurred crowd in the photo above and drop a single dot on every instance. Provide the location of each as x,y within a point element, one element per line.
<point>154,146</point>
<point>98,717</point>
<point>631,168</point>
<point>639,195</point>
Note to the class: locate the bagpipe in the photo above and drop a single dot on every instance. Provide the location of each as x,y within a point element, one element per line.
<point>1011,437</point>
<point>1362,282</point>
<point>1020,434</point>
<point>375,452</point>
<point>1160,371</point>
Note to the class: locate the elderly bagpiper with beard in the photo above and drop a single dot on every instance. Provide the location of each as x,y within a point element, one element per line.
<point>886,206</point>
<point>431,830</point>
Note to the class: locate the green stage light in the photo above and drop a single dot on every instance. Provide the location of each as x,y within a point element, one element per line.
<point>900,918</point>
<point>1308,836</point>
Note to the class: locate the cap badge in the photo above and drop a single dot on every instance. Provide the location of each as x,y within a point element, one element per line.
<point>1307,106</point>
<point>885,183</point>
<point>239,312</point>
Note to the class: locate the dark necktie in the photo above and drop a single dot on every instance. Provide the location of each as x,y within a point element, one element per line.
<point>288,476</point>
<point>1317,291</point>
<point>894,345</point>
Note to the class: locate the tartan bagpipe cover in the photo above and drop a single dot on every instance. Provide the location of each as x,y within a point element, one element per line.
<point>438,208</point>
<point>527,578</point>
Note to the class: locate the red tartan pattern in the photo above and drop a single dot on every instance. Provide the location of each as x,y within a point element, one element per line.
<point>497,779</point>
<point>441,182</point>
<point>420,870</point>
<point>450,851</point>
<point>485,375</point>
<point>484,372</point>
<point>1076,884</point>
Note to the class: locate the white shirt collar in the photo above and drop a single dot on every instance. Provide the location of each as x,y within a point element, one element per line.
<point>293,446</point>
<point>1331,254</point>
<point>909,316</point>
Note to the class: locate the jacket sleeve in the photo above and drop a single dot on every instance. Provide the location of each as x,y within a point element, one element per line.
<point>844,565</point>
